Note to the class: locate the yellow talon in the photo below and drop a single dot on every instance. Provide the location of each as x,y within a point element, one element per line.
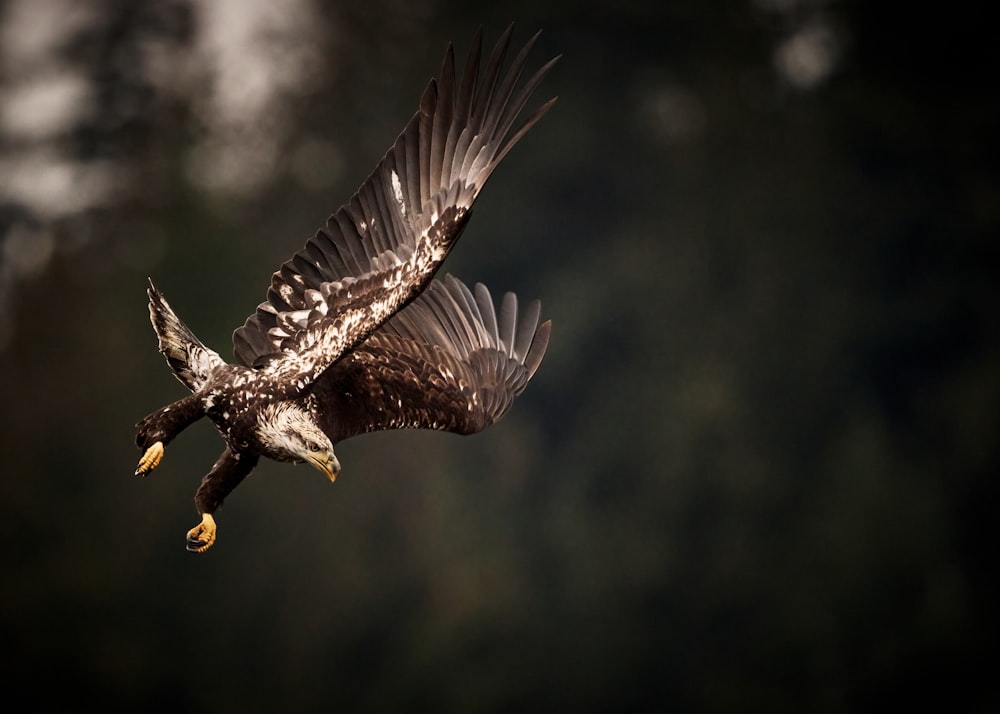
<point>150,460</point>
<point>202,536</point>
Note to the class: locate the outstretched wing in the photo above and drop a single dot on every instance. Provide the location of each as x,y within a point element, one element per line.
<point>189,359</point>
<point>447,362</point>
<point>379,251</point>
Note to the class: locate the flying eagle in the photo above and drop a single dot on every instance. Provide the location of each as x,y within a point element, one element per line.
<point>356,334</point>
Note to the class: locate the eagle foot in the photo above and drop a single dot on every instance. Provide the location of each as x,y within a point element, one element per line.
<point>202,536</point>
<point>150,460</point>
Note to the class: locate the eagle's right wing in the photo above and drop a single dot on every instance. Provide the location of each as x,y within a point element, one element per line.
<point>380,250</point>
<point>447,361</point>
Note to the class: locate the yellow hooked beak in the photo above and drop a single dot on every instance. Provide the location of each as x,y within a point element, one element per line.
<point>326,462</point>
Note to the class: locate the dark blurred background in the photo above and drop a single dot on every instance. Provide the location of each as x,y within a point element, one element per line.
<point>757,469</point>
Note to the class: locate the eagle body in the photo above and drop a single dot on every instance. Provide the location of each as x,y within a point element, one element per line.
<point>246,408</point>
<point>356,334</point>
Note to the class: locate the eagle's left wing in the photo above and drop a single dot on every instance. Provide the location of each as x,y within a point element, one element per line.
<point>447,361</point>
<point>380,250</point>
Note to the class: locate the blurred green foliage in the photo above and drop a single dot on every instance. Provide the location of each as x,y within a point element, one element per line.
<point>757,470</point>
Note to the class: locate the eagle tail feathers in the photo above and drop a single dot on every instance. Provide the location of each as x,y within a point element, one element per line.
<point>189,359</point>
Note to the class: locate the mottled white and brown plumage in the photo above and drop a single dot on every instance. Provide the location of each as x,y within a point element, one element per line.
<point>356,335</point>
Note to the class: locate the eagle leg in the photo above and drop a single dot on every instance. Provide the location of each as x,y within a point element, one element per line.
<point>150,459</point>
<point>158,429</point>
<point>202,536</point>
<point>227,473</point>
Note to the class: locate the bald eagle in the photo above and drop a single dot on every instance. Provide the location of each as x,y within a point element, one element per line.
<point>356,334</point>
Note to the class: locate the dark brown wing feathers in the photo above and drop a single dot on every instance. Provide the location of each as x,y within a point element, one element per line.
<point>441,363</point>
<point>381,248</point>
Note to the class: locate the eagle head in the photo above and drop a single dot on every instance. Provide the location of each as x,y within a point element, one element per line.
<point>290,433</point>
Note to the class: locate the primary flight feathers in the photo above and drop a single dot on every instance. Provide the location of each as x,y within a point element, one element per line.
<point>378,251</point>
